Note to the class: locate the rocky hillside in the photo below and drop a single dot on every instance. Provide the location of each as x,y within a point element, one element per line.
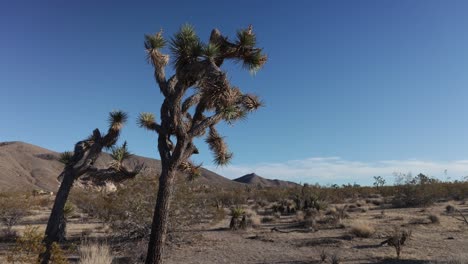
<point>25,167</point>
<point>254,179</point>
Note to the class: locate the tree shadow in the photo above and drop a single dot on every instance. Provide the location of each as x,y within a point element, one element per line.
<point>367,246</point>
<point>290,262</point>
<point>401,261</point>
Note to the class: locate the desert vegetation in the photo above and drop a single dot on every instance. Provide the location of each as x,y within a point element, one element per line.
<point>333,230</point>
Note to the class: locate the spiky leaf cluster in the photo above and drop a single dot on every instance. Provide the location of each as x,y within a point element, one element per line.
<point>154,42</point>
<point>251,102</point>
<point>252,58</point>
<point>186,47</point>
<point>147,120</point>
<point>216,143</point>
<point>66,157</point>
<point>254,61</point>
<point>193,171</point>
<point>117,119</point>
<point>237,212</point>
<point>246,38</point>
<point>211,51</point>
<point>119,154</point>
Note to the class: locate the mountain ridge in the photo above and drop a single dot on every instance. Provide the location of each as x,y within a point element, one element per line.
<point>24,166</point>
<point>254,179</point>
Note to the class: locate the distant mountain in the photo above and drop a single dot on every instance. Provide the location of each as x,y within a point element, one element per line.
<point>254,179</point>
<point>25,166</point>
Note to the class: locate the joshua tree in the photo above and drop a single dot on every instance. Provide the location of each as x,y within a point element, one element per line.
<point>196,98</point>
<point>379,181</point>
<point>78,163</point>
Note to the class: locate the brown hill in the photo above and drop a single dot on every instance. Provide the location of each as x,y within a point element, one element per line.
<point>25,167</point>
<point>254,179</point>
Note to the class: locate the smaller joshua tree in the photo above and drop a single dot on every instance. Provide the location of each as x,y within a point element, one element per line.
<point>81,162</point>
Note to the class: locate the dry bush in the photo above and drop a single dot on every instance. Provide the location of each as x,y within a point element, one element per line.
<point>334,258</point>
<point>13,207</point>
<point>253,220</point>
<point>450,209</point>
<point>129,210</point>
<point>398,239</point>
<point>300,216</point>
<point>331,211</point>
<point>95,254</point>
<point>362,229</point>
<point>29,246</point>
<point>323,255</point>
<point>434,218</point>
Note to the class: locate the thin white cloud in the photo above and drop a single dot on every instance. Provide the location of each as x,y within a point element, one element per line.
<point>337,170</point>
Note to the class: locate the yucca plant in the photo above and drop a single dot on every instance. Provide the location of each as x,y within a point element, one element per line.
<point>196,98</point>
<point>78,163</point>
<point>118,155</point>
<point>66,157</point>
<point>236,214</point>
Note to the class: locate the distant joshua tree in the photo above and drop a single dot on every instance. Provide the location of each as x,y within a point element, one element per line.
<point>379,181</point>
<point>80,162</point>
<point>196,98</point>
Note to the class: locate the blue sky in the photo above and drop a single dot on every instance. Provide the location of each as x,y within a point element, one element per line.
<point>352,88</point>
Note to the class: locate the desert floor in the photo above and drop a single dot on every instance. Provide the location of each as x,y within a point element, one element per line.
<point>443,242</point>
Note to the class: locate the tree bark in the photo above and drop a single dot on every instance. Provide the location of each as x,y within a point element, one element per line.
<point>161,215</point>
<point>54,226</point>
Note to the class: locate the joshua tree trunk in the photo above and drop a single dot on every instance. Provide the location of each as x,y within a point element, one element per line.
<point>160,217</point>
<point>54,227</point>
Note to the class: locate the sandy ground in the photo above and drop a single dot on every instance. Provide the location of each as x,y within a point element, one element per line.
<point>213,244</point>
<point>429,242</point>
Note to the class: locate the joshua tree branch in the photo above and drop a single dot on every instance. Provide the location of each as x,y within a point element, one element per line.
<point>190,101</point>
<point>198,129</point>
<point>159,62</point>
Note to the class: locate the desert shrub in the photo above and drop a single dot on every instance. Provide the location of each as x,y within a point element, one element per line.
<point>397,239</point>
<point>339,214</point>
<point>362,229</point>
<point>129,210</point>
<point>300,216</point>
<point>323,256</point>
<point>57,254</point>
<point>13,207</point>
<point>29,246</point>
<point>381,215</point>
<point>95,254</point>
<point>68,209</point>
<point>434,218</point>
<point>229,198</point>
<point>449,209</point>
<point>253,220</point>
<point>8,235</point>
<point>422,190</point>
<point>277,215</point>
<point>334,258</point>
